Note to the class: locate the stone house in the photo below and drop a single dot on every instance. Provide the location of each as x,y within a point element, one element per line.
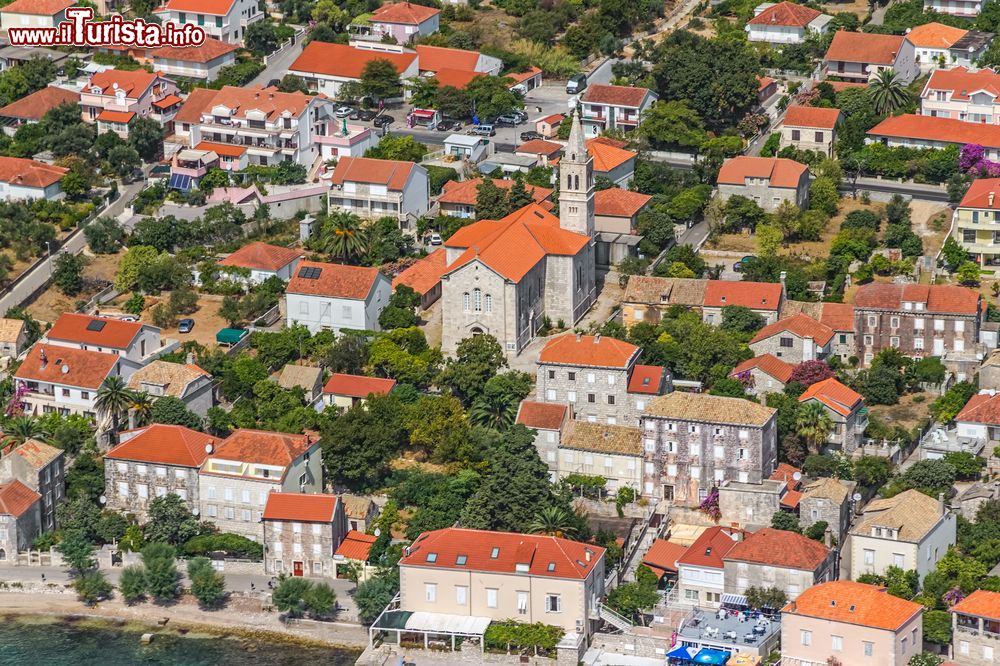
<point>856,56</point>
<point>701,576</point>
<point>306,377</point>
<point>302,533</point>
<point>846,409</point>
<point>970,500</point>
<point>238,475</point>
<point>360,510</point>
<point>920,320</point>
<point>810,128</point>
<point>343,391</point>
<point>786,560</point>
<point>693,442</point>
<point>20,519</point>
<point>795,339</point>
<point>751,505</point>
<point>909,531</point>
<point>598,449</point>
<point>13,337</point>
<point>549,421</point>
<point>828,500</point>
<point>42,468</point>
<point>154,461</point>
<point>598,377</point>
<point>186,382</point>
<point>763,374</point>
<point>323,296</point>
<point>837,316</point>
<point>768,181</point>
<point>763,298</point>
<point>852,622</point>
<point>989,372</point>
<point>976,629</point>
<point>647,297</point>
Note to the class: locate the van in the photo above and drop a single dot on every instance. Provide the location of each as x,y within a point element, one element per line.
<point>576,84</point>
<point>483,130</point>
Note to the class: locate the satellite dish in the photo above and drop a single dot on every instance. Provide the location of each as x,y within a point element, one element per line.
<point>102,499</point>
<point>797,476</point>
<point>856,497</point>
<point>209,448</point>
<point>377,532</point>
<point>64,369</point>
<point>195,511</point>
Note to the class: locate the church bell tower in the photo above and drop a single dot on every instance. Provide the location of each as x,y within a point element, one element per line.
<point>576,184</point>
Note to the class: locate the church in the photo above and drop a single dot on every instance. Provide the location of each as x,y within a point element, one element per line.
<point>504,277</point>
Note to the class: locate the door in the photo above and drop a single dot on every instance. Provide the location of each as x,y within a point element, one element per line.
<point>296,568</point>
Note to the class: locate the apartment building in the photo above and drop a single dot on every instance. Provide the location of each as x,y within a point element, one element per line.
<point>327,67</point>
<point>607,107</point>
<point>324,296</point>
<point>238,475</point>
<point>846,410</point>
<point>695,441</point>
<point>501,575</point>
<point>810,128</point>
<point>856,56</point>
<point>372,189</point>
<point>27,180</point>
<point>114,98</point>
<point>701,576</point>
<point>795,339</point>
<point>976,629</point>
<point>852,623</point>
<point>976,221</point>
<point>909,531</point>
<point>771,558</point>
<point>20,519</point>
<point>42,468</point>
<point>226,20</point>
<point>768,181</point>
<point>302,533</point>
<point>785,23</point>
<point>65,380</point>
<point>134,343</point>
<point>154,461</point>
<point>962,93</point>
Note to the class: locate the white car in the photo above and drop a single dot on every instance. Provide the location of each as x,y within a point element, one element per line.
<point>343,111</point>
<point>436,239</point>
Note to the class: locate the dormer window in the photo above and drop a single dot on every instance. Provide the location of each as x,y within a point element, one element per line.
<point>432,557</point>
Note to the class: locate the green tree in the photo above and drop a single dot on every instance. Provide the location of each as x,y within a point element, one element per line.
<point>477,359</point>
<point>207,585</point>
<point>937,627</point>
<point>92,587</point>
<point>814,424</point>
<point>672,124</point>
<point>124,160</point>
<point>359,444</point>
<point>629,599</point>
<point>261,38</point>
<point>380,80</point>
<point>104,235</point>
<point>783,520</point>
<point>158,559</point>
<point>768,239</point>
<point>968,466</point>
<point>289,596</point>
<point>130,265</point>
<point>68,273</point>
<point>146,136</point>
<point>740,319</point>
<point>77,550</point>
<point>968,273</point>
<point>132,583</point>
<point>823,195</point>
<point>887,92</point>
<point>170,410</point>
<point>170,521</point>
<point>320,600</point>
<point>113,400</point>
<point>491,96</point>
<point>372,596</point>
<point>552,521</point>
<point>492,202</point>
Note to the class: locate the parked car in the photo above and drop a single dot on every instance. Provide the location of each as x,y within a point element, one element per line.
<point>273,83</point>
<point>522,114</point>
<point>436,239</point>
<point>366,116</point>
<point>483,130</point>
<point>508,120</point>
<point>343,111</point>
<point>185,325</point>
<point>383,120</point>
<point>530,136</point>
<point>449,126</point>
<point>576,84</point>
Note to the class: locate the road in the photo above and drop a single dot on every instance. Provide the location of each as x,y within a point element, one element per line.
<point>888,188</point>
<point>278,65</point>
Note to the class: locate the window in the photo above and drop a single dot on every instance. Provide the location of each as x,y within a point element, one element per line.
<point>122,488</point>
<point>303,307</point>
<point>819,137</point>
<point>522,603</point>
<point>550,395</point>
<point>85,395</point>
<point>316,529</point>
<point>611,380</point>
<point>898,560</point>
<point>988,653</point>
<point>553,603</point>
<point>796,135</point>
<point>611,399</point>
<point>591,378</point>
<point>591,397</point>
<point>960,325</point>
<point>691,595</point>
<point>246,515</point>
<point>868,340</point>
<point>461,594</point>
<point>143,490</point>
<point>836,643</point>
<point>491,597</point>
<point>227,494</point>
<point>245,498</point>
<point>805,637</point>
<point>902,644</point>
<point>869,648</point>
<point>869,557</point>
<point>872,322</point>
<point>939,324</point>
<point>465,301</point>
<point>894,341</point>
<point>918,344</point>
<point>489,302</point>
<point>552,374</point>
<point>140,470</point>
<point>571,376</point>
<point>430,592</point>
<point>786,342</point>
<point>963,647</point>
<point>894,322</point>
<point>477,300</point>
<point>571,396</point>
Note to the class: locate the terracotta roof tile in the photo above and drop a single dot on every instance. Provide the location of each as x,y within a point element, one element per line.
<point>844,85</point>
<point>344,61</point>
<point>455,78</point>
<point>982,603</point>
<point>133,82</point>
<point>811,116</point>
<point>664,554</point>
<point>37,454</point>
<point>262,256</point>
<point>391,173</point>
<point>938,298</point>
<point>83,369</point>
<point>616,202</point>
<point>356,546</point>
<point>425,274</point>
<point>175,378</point>
<point>981,194</point>
<point>780,172</point>
<point>258,446</point>
<point>195,105</point>
<point>16,498</point>
<point>209,50</point>
<point>608,157</point>
<point>213,7</point>
<point>786,14</point>
<point>91,330</point>
<point>542,415</point>
<point>546,556</point>
<point>768,364</point>
<point>791,499</point>
<point>709,548</point>
<point>521,77</point>
<point>357,386</point>
<point>465,192</point>
<point>167,102</point>
<point>269,101</point>
<point>629,96</point>
<point>935,35</point>
<point>786,473</point>
<point>981,408</point>
<point>838,316</point>
<point>37,104</point>
<point>335,280</point>
<point>539,147</point>
<point>164,445</point>
<point>801,325</point>
<point>864,47</point>
<point>780,548</point>
<point>705,408</point>
<point>648,379</point>
<point>300,507</point>
<point>554,119</point>
<point>602,438</point>
<point>650,290</point>
<point>29,173</point>
<point>944,130</point>
<point>116,116</point>
<point>854,603</point>
<point>588,350</point>
<point>221,149</point>
<point>753,295</point>
<point>434,58</point>
<point>39,7</point>
<point>405,13</point>
<point>963,83</point>
<point>834,395</point>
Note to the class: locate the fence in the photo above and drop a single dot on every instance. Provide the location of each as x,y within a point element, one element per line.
<point>299,32</point>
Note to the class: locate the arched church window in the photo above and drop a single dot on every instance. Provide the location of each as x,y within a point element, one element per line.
<point>489,302</point>
<point>477,300</point>
<point>576,182</point>
<point>465,301</point>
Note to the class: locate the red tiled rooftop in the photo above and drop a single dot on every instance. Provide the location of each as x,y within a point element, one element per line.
<point>780,548</point>
<point>942,130</point>
<point>935,35</point>
<point>334,280</point>
<point>165,445</point>
<point>539,147</point>
<point>37,104</point>
<point>434,58</point>
<point>616,202</point>
<point>963,83</point>
<point>300,507</point>
<point>588,350</point>
<point>345,61</point>
<point>767,363</point>
<point>628,96</point>
<point>711,546</point>
<point>778,171</point>
<point>356,546</point>
<point>864,47</point>
<point>405,13</point>
<point>982,603</point>
<point>262,256</point>
<point>664,554</point>
<point>357,386</point>
<point>937,298</point>
<point>16,498</point>
<point>392,173</point>
<point>213,7</point>
<point>91,330</point>
<point>834,395</point>
<point>799,324</point>
<point>29,173</point>
<point>38,7</point>
<point>981,194</point>
<point>646,379</point>
<point>209,50</point>
<point>838,316</point>
<point>854,603</point>
<point>542,415</point>
<point>424,274</point>
<point>787,14</point>
<point>66,366</point>
<point>465,192</point>
<point>261,446</point>
<point>981,408</point>
<point>811,116</point>
<point>753,295</point>
<point>786,473</point>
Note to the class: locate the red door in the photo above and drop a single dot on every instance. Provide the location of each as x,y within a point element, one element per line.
<point>296,568</point>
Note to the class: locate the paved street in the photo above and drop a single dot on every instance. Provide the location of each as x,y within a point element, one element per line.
<point>278,65</point>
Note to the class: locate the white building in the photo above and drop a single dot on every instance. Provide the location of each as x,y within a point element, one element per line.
<point>608,107</point>
<point>964,94</point>
<point>65,379</point>
<point>195,62</point>
<point>785,23</point>
<point>26,180</point>
<point>963,8</point>
<point>135,343</point>
<point>326,67</point>
<point>860,56</point>
<point>34,14</point>
<point>373,188</point>
<point>334,296</point>
<point>223,19</point>
<point>264,261</point>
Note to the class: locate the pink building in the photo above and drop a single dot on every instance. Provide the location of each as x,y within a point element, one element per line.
<point>852,623</point>
<point>114,98</point>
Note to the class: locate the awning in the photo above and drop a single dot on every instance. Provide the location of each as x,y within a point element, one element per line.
<point>180,181</point>
<point>230,336</point>
<point>734,600</point>
<point>714,657</point>
<point>683,652</point>
<point>463,625</point>
<point>423,113</point>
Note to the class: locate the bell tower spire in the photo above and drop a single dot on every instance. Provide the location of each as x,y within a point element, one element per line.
<point>576,183</point>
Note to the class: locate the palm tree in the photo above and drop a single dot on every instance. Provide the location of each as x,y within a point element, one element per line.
<point>493,411</point>
<point>814,424</point>
<point>887,93</point>
<point>22,428</point>
<point>140,409</point>
<point>113,399</point>
<point>345,239</point>
<point>552,521</point>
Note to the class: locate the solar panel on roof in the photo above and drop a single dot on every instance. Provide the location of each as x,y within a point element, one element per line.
<point>310,272</point>
<point>96,325</point>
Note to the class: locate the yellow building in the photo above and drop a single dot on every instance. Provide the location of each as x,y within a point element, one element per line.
<point>977,222</point>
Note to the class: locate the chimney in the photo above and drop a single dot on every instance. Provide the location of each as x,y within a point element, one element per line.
<point>578,336</point>
<point>781,279</point>
<point>828,538</point>
<point>588,554</point>
<point>43,358</point>
<point>189,359</point>
<point>597,339</point>
<point>992,194</point>
<point>941,503</point>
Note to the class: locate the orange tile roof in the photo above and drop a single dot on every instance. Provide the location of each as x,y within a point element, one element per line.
<point>405,13</point>
<point>357,386</point>
<point>345,61</point>
<point>615,95</point>
<point>963,83</point>
<point>799,324</point>
<point>786,14</point>
<point>834,395</point>
<point>838,316</point>
<point>83,369</point>
<point>941,130</point>
<point>539,147</point>
<point>455,78</point>
<point>259,446</point>
<point>811,116</point>
<point>945,299</point>
<point>209,50</point>
<point>16,498</point>
<point>935,35</point>
<point>21,171</point>
<point>425,274</point>
<point>763,82</point>
<point>844,85</point>
<point>167,102</point>
<point>982,603</point>
<point>40,102</point>
<point>222,149</point>
<point>780,548</point>
<point>542,415</point>
<point>433,58</point>
<point>114,333</point>
<point>981,408</point>
<point>134,83</point>
<point>544,555</point>
<point>608,157</point>
<point>981,194</point>
<point>780,172</point>
<point>589,350</point>
<point>711,546</point>
<point>466,192</point>
<point>38,7</point>
<point>356,546</point>
<point>616,202</point>
<point>554,119</point>
<point>664,554</point>
<point>521,77</point>
<point>786,473</point>
<point>391,173</point>
<point>213,7</point>
<point>854,603</point>
<point>647,379</point>
<point>791,499</point>
<point>269,101</point>
<point>262,256</point>
<point>165,445</point>
<point>335,280</point>
<point>864,47</point>
<point>768,364</point>
<point>36,454</point>
<point>196,103</point>
<point>300,507</point>
<point>753,295</point>
<point>514,245</point>
<point>116,116</point>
